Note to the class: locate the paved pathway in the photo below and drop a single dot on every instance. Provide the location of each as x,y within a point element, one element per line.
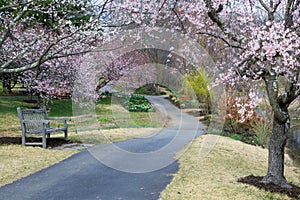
<point>134,169</point>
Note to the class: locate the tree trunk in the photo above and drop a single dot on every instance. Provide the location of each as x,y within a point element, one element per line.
<point>277,142</point>
<point>6,83</point>
<point>281,125</point>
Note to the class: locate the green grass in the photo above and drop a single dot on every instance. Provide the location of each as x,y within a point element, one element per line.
<point>110,114</point>
<point>61,108</point>
<point>9,121</point>
<point>120,118</point>
<point>105,101</point>
<point>15,91</point>
<point>9,105</point>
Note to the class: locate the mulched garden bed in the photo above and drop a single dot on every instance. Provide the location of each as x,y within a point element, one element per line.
<point>51,142</point>
<point>293,192</point>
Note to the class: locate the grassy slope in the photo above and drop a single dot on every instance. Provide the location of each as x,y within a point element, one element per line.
<point>215,176</point>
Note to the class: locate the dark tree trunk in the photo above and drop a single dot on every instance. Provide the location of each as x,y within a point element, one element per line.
<point>30,96</point>
<point>6,83</point>
<point>277,142</point>
<point>279,134</point>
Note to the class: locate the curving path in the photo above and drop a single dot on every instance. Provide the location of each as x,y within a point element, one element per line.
<point>132,169</point>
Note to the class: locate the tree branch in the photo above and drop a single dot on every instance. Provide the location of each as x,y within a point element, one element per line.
<point>103,6</point>
<point>215,17</point>
<point>180,21</point>
<point>290,93</point>
<point>5,8</point>
<point>271,83</point>
<point>288,15</point>
<point>23,52</point>
<point>276,6</point>
<point>265,6</point>
<point>11,25</point>
<point>222,39</point>
<point>162,5</point>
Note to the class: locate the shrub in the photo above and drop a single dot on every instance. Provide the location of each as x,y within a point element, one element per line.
<point>261,128</point>
<point>149,89</point>
<point>262,125</point>
<point>198,82</point>
<point>137,103</point>
<point>236,136</point>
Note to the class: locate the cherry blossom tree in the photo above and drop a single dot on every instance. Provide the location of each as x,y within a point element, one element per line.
<point>41,42</point>
<point>53,79</point>
<point>33,32</point>
<point>269,48</point>
<point>256,41</point>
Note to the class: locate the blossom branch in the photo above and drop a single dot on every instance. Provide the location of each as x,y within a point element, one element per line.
<point>215,17</point>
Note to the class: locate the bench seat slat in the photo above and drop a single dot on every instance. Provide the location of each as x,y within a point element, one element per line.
<point>34,143</point>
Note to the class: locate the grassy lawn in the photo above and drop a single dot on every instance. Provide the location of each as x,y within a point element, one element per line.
<point>115,116</point>
<point>116,123</point>
<point>110,116</point>
<point>216,175</point>
<point>17,161</point>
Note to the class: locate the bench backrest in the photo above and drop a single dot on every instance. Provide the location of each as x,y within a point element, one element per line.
<point>32,114</point>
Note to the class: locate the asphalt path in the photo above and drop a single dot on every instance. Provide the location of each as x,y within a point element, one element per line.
<point>135,169</point>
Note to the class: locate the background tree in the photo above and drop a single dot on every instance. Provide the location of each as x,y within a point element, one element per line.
<point>53,79</point>
<point>43,42</point>
<point>33,32</point>
<point>9,81</point>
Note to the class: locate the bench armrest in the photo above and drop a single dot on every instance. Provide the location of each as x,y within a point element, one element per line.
<point>64,120</point>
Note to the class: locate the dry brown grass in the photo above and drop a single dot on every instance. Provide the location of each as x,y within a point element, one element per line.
<point>19,161</point>
<point>114,135</point>
<point>215,176</point>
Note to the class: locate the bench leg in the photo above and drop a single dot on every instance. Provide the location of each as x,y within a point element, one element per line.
<point>66,134</point>
<point>44,139</point>
<point>23,138</point>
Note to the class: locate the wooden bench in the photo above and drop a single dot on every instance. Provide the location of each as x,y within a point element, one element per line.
<point>36,121</point>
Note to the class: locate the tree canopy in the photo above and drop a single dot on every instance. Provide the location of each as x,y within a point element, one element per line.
<point>33,32</point>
